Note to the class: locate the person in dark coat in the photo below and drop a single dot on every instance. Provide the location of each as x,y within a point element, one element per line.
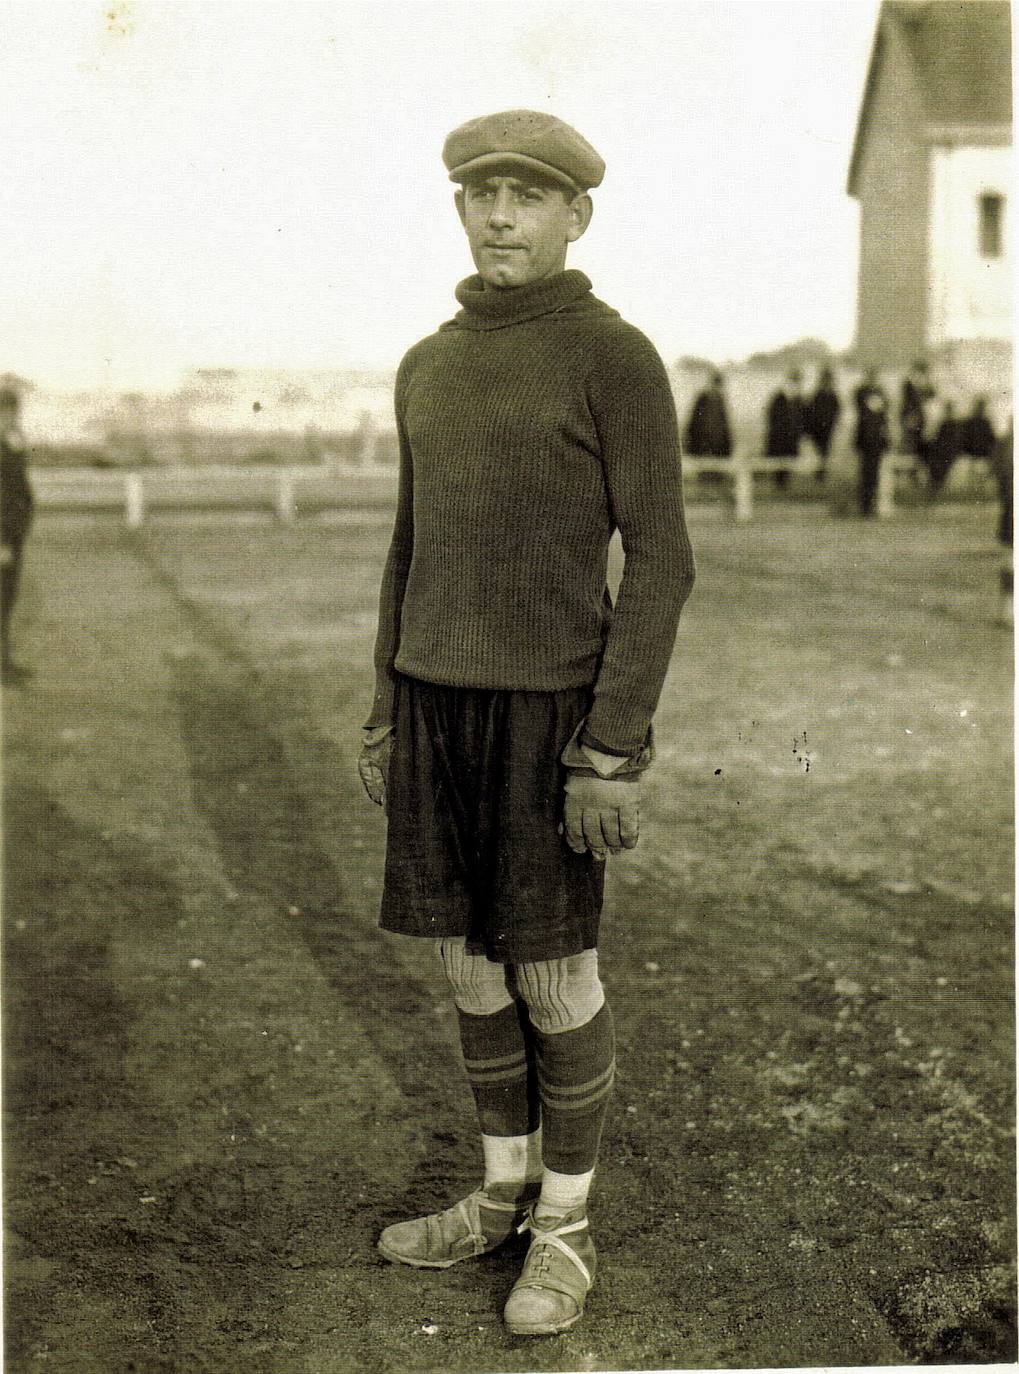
<point>822,415</point>
<point>16,506</point>
<point>945,447</point>
<point>785,415</point>
<point>978,439</point>
<point>1003,469</point>
<point>708,433</point>
<point>917,393</point>
<point>871,437</point>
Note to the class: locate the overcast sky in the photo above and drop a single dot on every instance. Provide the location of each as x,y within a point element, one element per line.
<point>260,183</point>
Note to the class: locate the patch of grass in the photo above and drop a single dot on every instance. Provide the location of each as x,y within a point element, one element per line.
<point>809,957</point>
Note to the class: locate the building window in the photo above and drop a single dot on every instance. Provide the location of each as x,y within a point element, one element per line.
<point>992,219</point>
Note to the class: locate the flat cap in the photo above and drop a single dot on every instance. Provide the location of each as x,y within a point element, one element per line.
<point>526,136</point>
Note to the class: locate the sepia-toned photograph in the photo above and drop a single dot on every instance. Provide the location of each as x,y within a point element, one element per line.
<point>508,682</point>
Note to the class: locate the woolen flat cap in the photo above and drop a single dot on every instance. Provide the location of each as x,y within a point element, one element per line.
<point>535,140</point>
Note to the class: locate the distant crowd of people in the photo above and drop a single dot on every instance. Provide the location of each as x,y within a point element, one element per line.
<point>929,430</point>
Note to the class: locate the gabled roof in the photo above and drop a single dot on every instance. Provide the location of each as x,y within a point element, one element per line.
<point>960,51</point>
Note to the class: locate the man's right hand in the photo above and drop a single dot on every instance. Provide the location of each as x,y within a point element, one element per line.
<point>373,762</point>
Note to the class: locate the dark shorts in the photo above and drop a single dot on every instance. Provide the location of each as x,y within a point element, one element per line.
<point>474,804</point>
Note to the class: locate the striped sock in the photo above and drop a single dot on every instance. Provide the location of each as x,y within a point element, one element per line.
<point>500,1069</point>
<point>575,1075</point>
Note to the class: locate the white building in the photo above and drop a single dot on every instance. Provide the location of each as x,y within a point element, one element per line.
<point>971,248</point>
<point>932,170</point>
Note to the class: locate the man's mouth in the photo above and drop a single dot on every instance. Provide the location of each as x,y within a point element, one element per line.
<point>505,247</point>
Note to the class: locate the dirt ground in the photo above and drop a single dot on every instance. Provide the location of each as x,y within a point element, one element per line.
<point>222,1080</point>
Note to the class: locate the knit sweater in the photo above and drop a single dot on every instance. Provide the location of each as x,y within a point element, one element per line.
<point>531,426</point>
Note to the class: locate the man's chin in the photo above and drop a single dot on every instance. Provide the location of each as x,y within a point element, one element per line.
<point>503,278</point>
<point>508,276</point>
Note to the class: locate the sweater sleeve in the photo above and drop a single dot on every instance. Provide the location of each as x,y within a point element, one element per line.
<point>635,415</point>
<point>394,577</point>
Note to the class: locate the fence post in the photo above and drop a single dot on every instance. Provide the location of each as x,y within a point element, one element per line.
<point>884,506</point>
<point>134,500</point>
<point>368,439</point>
<point>743,487</point>
<point>285,504</point>
<point>312,444</point>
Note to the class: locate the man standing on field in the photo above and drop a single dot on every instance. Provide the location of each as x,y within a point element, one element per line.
<point>513,702</point>
<point>16,507</point>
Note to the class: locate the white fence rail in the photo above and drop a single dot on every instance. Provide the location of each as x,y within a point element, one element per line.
<point>283,491</point>
<point>286,491</point>
<point>740,470</point>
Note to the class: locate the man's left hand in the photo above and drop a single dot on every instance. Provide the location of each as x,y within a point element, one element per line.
<point>601,814</point>
<point>373,762</point>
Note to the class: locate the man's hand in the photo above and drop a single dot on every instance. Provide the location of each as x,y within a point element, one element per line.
<point>601,814</point>
<point>373,762</point>
<point>6,555</point>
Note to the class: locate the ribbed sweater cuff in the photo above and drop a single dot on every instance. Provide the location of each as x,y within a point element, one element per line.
<point>615,732</point>
<point>593,742</point>
<point>636,761</point>
<point>383,710</point>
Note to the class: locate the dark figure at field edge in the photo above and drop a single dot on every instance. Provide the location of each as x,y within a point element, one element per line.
<point>822,415</point>
<point>1002,465</point>
<point>914,404</point>
<point>16,508</point>
<point>871,437</point>
<point>947,444</point>
<point>512,721</point>
<point>785,422</point>
<point>978,438</point>
<point>708,433</point>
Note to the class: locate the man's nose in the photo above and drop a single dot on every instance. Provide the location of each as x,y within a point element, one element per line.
<point>502,211</point>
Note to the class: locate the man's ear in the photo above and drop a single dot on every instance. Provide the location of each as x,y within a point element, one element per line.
<point>458,201</point>
<point>580,211</point>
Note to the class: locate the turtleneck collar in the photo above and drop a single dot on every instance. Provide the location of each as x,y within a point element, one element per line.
<point>491,309</point>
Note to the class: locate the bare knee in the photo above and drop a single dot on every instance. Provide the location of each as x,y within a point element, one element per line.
<point>561,994</point>
<point>478,985</point>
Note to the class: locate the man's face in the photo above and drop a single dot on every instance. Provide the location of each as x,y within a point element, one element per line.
<point>519,224</point>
